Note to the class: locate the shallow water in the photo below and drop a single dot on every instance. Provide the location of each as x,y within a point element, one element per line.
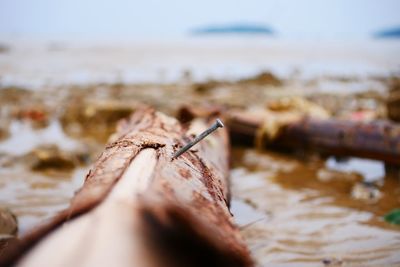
<point>24,138</point>
<point>299,220</point>
<point>34,196</point>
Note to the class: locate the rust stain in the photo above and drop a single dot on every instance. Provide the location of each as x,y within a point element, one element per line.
<point>185,173</point>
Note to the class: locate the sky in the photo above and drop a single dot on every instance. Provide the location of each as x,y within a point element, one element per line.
<point>172,18</point>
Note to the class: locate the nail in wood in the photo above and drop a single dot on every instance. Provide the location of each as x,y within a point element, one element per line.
<point>218,124</point>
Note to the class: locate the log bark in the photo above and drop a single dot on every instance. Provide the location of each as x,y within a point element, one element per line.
<point>393,101</point>
<point>138,207</point>
<point>379,140</point>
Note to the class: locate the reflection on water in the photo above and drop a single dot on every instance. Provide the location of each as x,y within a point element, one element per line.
<point>308,221</point>
<point>23,138</point>
<point>371,170</point>
<point>34,197</point>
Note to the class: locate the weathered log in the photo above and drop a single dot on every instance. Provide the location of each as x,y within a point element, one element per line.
<point>393,102</point>
<point>379,140</point>
<point>138,207</point>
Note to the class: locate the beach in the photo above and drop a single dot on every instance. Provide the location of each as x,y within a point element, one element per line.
<point>60,102</point>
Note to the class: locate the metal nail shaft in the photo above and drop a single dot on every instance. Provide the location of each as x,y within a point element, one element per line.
<point>218,124</point>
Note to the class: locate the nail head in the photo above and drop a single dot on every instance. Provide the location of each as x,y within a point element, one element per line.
<point>219,123</point>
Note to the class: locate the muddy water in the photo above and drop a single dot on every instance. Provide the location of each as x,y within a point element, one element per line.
<point>33,197</point>
<point>291,215</point>
<point>36,195</point>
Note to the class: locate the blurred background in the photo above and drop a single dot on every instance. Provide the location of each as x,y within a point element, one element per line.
<point>156,41</point>
<point>334,19</point>
<point>69,70</point>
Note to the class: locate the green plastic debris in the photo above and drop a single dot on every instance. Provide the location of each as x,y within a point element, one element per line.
<point>393,217</point>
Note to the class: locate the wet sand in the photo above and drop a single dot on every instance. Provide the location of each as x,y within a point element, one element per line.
<point>40,63</point>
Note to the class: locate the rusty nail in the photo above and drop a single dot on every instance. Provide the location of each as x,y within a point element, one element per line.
<point>218,124</point>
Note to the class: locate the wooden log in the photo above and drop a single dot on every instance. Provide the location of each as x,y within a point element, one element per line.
<point>138,207</point>
<point>379,140</point>
<point>393,101</point>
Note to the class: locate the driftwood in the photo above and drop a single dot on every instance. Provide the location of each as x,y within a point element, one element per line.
<point>393,101</point>
<point>379,140</point>
<point>138,207</point>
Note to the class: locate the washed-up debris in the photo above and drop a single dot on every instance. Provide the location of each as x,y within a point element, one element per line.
<point>367,192</point>
<point>363,106</point>
<point>14,94</point>
<point>51,157</point>
<point>206,87</point>
<point>264,78</point>
<point>275,117</point>
<point>298,105</point>
<point>37,115</point>
<point>282,112</point>
<point>94,119</point>
<point>393,217</point>
<point>361,115</point>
